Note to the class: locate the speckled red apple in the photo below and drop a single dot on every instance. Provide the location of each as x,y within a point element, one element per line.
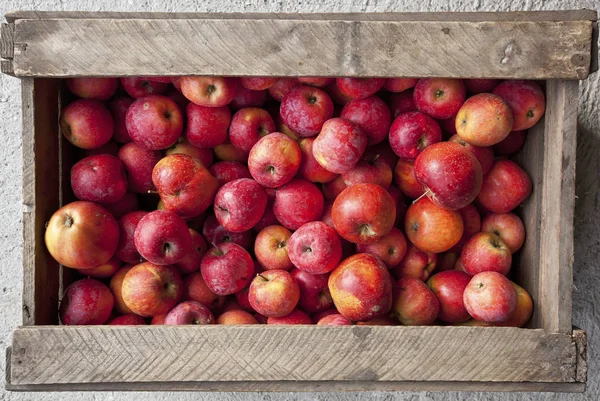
<point>315,248</point>
<point>227,268</point>
<point>505,187</point>
<point>274,293</point>
<point>162,237</point>
<point>154,122</point>
<point>248,125</point>
<point>416,264</point>
<point>490,297</point>
<point>297,203</point>
<point>274,160</point>
<point>271,248</point>
<point>139,163</point>
<point>414,303</point>
<point>449,287</point>
<point>525,99</point>
<point>340,145</point>
<point>99,178</point>
<point>484,120</point>
<point>189,312</point>
<point>86,302</point>
<point>372,115</point>
<point>209,91</point>
<point>87,123</point>
<point>439,98</point>
<point>391,248</point>
<point>304,109</point>
<point>240,204</point>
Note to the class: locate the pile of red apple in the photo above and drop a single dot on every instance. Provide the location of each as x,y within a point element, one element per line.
<point>294,200</point>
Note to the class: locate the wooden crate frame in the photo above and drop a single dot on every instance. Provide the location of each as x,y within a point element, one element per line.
<point>558,47</point>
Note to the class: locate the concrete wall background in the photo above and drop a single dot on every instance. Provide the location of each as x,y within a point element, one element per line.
<point>587,234</point>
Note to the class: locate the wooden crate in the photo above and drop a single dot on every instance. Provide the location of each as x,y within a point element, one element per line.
<point>558,47</point>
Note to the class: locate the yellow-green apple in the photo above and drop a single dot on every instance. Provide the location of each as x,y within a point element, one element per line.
<point>304,109</point>
<point>209,91</point>
<point>282,87</point>
<point>480,85</point>
<point>294,317</point>
<point>87,123</point>
<point>229,171</point>
<point>105,270</point>
<point>412,132</point>
<point>401,103</point>
<point>396,85</point>
<point>207,126</point>
<point>484,120</point>
<point>248,98</point>
<point>523,311</point>
<point>99,178</point>
<point>258,83</point>
<point>416,264</point>
<point>185,148</point>
<point>490,297</point>
<point>334,320</point>
<point>274,293</point>
<point>118,109</point>
<point>127,320</point>
<point>227,268</point>
<point>391,248</point>
<point>236,317</point>
<point>240,204</point>
<point>432,228</point>
<point>82,235</point>
<point>450,174</point>
<point>309,168</point>
<point>139,163</point>
<point>314,291</point>
<point>93,88</point>
<point>414,303</point>
<point>217,234</point>
<point>248,125</point>
<point>372,115</point>
<point>363,213</point>
<point>138,87</point>
<point>485,252</point>
<point>298,202</point>
<point>116,286</point>
<point>150,290</point>
<point>315,248</point>
<point>189,312</point>
<point>154,122</point>
<point>271,248</point>
<point>185,186</point>
<point>485,155</point>
<point>507,226</point>
<point>191,261</point>
<point>525,99</point>
<point>439,98</point>
<point>316,81</point>
<point>195,289</point>
<point>511,144</point>
<point>505,187</point>
<point>448,287</point>
<point>404,178</point>
<point>128,203</point>
<point>359,88</point>
<point>126,250</point>
<point>274,160</point>
<point>161,237</point>
<point>361,287</point>
<point>86,302</point>
<point>340,145</point>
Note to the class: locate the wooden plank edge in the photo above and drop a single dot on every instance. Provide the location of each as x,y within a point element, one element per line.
<point>580,340</point>
<point>594,59</point>
<point>550,16</point>
<point>7,33</point>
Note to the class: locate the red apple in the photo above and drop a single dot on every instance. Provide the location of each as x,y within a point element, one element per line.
<point>93,88</point>
<point>158,319</point>
<point>195,289</point>
<point>127,320</point>
<point>258,83</point>
<point>182,147</point>
<point>448,287</point>
<point>525,99</point>
<point>414,303</point>
<point>334,320</point>
<point>209,91</point>
<point>382,151</point>
<point>439,97</point>
<point>314,291</point>
<point>248,98</point>
<point>505,187</point>
<point>87,123</point>
<point>116,287</point>
<point>185,186</point>
<point>400,203</point>
<point>377,171</point>
<point>304,109</point>
<point>217,234</point>
<point>485,252</point>
<point>336,95</point>
<point>448,127</point>
<point>363,213</point>
<point>248,125</point>
<point>176,96</point>
<point>361,287</point>
<point>274,160</point>
<point>240,204</point>
<point>298,202</point>
<point>268,218</point>
<point>154,122</point>
<point>126,250</point>
<point>229,153</point>
<point>315,248</point>
<point>189,312</point>
<point>484,155</point>
<point>447,260</point>
<point>150,290</point>
<point>523,311</point>
<point>490,297</point>
<point>432,228</point>
<point>480,85</point>
<point>412,132</point>
<point>450,174</point>
<point>359,88</point>
<point>229,171</point>
<point>207,126</point>
<point>118,109</point>
<point>401,103</point>
<point>162,237</point>
<point>316,81</point>
<point>236,317</point>
<point>227,268</point>
<point>339,145</point>
<point>416,264</point>
<point>294,317</point>
<point>391,248</point>
<point>99,178</point>
<point>399,84</point>
<point>128,203</point>
<point>484,120</point>
<point>471,222</point>
<point>372,115</point>
<point>139,162</point>
<point>508,227</point>
<point>191,261</point>
<point>86,302</point>
<point>271,248</point>
<point>104,270</point>
<point>332,189</point>
<point>320,315</point>
<point>138,87</point>
<point>274,293</point>
<point>282,87</point>
<point>82,235</point>
<point>511,144</point>
<point>404,177</point>
<point>309,168</point>
<point>242,296</point>
<point>109,148</point>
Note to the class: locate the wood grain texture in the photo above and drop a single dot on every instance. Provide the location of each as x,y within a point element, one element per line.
<point>102,354</point>
<point>286,47</point>
<point>40,198</point>
<point>557,206</point>
<point>6,48</point>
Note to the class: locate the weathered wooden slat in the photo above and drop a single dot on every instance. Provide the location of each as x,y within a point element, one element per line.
<point>557,206</point>
<point>7,32</point>
<point>284,47</point>
<point>102,354</point>
<point>40,198</point>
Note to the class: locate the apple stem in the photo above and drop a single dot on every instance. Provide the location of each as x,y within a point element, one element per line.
<point>151,191</point>
<point>422,195</point>
<point>219,252</point>
<point>263,277</point>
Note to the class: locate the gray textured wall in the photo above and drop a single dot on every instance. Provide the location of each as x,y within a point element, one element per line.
<point>587,234</point>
